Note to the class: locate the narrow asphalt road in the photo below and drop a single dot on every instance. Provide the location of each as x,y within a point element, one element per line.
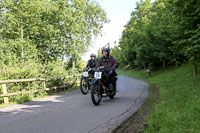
<point>73,112</point>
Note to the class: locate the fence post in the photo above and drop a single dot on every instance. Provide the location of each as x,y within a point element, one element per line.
<point>44,85</point>
<point>77,81</point>
<point>6,100</point>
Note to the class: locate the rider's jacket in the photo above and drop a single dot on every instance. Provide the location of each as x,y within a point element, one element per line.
<point>108,62</point>
<point>91,63</point>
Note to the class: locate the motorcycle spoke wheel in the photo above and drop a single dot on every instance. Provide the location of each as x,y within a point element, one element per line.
<point>83,86</point>
<point>95,95</point>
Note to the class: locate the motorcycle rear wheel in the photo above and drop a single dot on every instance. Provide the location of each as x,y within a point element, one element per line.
<point>113,95</point>
<point>113,92</point>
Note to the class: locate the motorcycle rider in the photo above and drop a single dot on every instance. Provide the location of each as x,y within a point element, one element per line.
<point>109,63</point>
<point>92,62</point>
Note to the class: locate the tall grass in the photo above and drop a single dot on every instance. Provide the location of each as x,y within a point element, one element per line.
<point>178,109</point>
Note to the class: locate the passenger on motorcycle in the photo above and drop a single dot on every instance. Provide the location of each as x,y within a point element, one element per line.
<point>109,63</point>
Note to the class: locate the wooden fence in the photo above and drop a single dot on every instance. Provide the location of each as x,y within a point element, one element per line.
<point>6,95</point>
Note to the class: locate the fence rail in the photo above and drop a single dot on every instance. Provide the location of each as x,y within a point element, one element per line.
<point>6,95</point>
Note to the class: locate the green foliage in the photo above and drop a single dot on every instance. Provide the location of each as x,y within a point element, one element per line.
<point>178,109</point>
<point>37,36</point>
<point>55,28</point>
<point>31,69</point>
<point>161,34</point>
<point>28,69</point>
<point>99,53</point>
<point>81,65</point>
<point>54,69</point>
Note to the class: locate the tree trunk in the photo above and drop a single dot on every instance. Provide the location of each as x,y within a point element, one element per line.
<point>73,63</point>
<point>63,61</point>
<point>176,64</point>
<point>164,64</point>
<point>195,64</point>
<point>195,69</point>
<point>22,37</point>
<point>62,65</point>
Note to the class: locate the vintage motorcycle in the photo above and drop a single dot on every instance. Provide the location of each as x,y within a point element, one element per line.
<point>86,80</point>
<point>100,86</point>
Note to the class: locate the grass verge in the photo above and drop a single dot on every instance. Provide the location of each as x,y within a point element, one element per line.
<point>178,108</point>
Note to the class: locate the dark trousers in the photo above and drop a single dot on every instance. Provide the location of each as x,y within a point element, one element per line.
<point>111,78</point>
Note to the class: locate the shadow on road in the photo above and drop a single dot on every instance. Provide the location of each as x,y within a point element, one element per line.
<point>35,106</point>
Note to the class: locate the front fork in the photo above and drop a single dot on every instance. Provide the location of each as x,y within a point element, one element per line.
<point>87,84</point>
<point>86,80</point>
<point>98,82</point>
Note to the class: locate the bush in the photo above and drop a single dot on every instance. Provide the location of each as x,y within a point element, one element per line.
<point>27,70</point>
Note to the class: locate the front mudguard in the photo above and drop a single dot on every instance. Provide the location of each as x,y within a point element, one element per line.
<point>82,77</point>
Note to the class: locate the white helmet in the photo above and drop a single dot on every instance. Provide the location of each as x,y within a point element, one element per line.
<point>92,55</point>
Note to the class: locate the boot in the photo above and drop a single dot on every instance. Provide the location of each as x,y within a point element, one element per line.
<point>110,87</point>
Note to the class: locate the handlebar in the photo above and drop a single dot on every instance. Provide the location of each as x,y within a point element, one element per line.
<point>96,69</point>
<point>86,69</point>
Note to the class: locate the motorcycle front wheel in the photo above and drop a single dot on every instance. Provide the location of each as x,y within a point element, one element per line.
<point>96,95</point>
<point>84,86</point>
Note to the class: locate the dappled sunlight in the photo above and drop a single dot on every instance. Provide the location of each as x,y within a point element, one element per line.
<point>15,109</point>
<point>56,99</point>
<point>31,107</point>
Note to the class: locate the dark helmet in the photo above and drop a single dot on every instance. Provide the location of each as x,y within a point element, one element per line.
<point>106,48</point>
<point>92,55</point>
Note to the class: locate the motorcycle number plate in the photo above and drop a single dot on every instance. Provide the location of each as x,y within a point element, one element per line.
<point>85,74</point>
<point>97,75</point>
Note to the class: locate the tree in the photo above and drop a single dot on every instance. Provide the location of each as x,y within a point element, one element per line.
<point>188,17</point>
<point>162,33</point>
<point>54,28</point>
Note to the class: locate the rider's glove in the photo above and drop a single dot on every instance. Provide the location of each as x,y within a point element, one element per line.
<point>111,71</point>
<point>85,69</point>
